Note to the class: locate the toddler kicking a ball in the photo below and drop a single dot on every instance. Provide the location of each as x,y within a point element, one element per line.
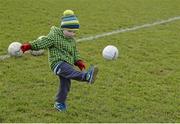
<point>63,55</point>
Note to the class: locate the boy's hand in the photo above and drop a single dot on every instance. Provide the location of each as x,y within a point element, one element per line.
<point>25,47</point>
<point>80,64</point>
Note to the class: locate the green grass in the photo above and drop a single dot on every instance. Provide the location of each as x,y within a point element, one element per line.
<point>142,85</point>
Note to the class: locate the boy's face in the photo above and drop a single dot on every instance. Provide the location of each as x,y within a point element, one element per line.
<point>69,33</point>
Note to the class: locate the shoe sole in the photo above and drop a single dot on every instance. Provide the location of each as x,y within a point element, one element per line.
<point>59,109</point>
<point>95,72</point>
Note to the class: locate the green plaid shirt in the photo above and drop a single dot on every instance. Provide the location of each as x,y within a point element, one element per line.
<point>59,47</point>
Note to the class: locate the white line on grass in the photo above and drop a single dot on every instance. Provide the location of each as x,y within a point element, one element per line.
<point>2,57</point>
<point>130,29</point>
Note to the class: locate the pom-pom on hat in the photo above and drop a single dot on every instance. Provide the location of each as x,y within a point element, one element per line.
<point>69,21</point>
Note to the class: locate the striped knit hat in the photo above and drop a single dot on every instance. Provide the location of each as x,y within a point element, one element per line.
<point>69,21</point>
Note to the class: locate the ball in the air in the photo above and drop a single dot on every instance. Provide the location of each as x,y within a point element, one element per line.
<point>68,12</point>
<point>14,49</point>
<point>110,52</point>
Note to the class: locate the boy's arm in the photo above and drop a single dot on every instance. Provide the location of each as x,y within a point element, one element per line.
<point>78,61</point>
<point>77,56</point>
<point>40,43</point>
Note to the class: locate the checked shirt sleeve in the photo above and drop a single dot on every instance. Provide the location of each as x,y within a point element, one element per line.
<point>77,56</point>
<point>42,43</point>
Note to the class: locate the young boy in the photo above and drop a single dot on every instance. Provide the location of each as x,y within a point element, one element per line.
<point>63,55</point>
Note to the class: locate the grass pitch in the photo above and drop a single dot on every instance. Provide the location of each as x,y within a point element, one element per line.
<point>142,85</point>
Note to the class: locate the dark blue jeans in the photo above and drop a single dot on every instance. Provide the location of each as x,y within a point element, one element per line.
<point>66,72</point>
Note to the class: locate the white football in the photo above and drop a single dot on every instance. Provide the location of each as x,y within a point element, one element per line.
<point>40,37</point>
<point>110,52</point>
<point>14,49</point>
<point>37,53</point>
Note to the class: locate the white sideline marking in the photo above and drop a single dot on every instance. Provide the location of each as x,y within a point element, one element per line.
<point>130,29</point>
<point>2,57</point>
